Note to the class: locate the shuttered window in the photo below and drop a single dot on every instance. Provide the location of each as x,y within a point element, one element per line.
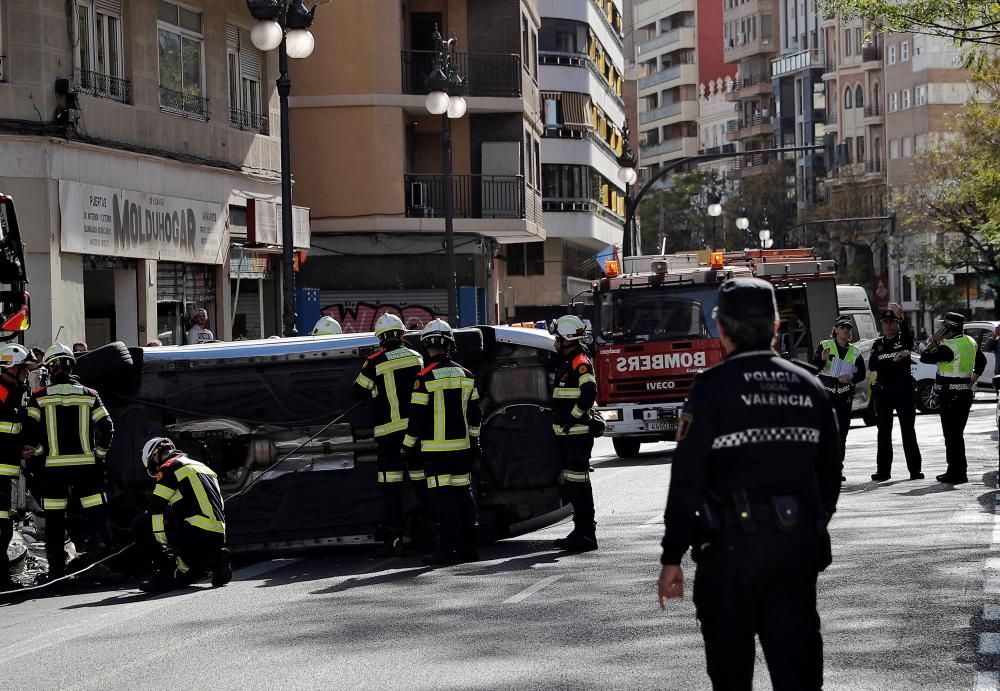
<point>245,67</point>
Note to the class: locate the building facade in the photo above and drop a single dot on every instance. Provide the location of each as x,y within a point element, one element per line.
<point>716,113</point>
<point>134,133</point>
<point>370,158</point>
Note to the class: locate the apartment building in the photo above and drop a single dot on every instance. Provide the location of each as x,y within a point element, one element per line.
<point>368,158</point>
<point>581,77</point>
<point>678,46</point>
<point>751,35</point>
<point>925,89</point>
<point>800,107</point>
<point>716,113</point>
<point>134,135</point>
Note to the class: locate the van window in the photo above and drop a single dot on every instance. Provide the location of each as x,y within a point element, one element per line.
<point>863,326</point>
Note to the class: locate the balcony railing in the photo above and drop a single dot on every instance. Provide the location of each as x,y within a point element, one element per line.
<point>658,78</point>
<point>796,62</point>
<point>103,86</point>
<point>485,74</point>
<point>873,111</point>
<point>183,104</point>
<point>661,113</point>
<point>832,117</point>
<point>473,196</point>
<point>871,52</point>
<point>248,120</point>
<point>667,147</point>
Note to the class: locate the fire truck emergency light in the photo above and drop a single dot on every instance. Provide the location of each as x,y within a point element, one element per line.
<point>612,268</point>
<point>718,260</point>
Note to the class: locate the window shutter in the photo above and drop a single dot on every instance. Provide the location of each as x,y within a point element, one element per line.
<point>250,58</point>
<point>232,37</point>
<point>110,7</point>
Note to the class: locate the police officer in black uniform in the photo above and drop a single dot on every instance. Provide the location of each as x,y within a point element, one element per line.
<point>754,483</point>
<point>840,387</point>
<point>893,391</point>
<point>960,364</point>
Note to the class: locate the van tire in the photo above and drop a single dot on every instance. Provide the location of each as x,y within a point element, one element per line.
<point>626,447</point>
<point>109,360</point>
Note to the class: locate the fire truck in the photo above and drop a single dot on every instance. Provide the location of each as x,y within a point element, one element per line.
<point>654,329</point>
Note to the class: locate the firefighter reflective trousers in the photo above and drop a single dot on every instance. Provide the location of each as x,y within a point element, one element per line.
<point>761,584</point>
<point>575,487</point>
<point>85,486</point>
<point>189,550</point>
<point>898,398</point>
<point>449,492</point>
<point>391,482</point>
<point>955,407</point>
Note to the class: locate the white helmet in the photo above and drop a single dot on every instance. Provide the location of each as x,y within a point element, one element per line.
<point>12,355</point>
<point>388,322</point>
<point>569,327</point>
<point>151,452</point>
<point>437,333</point>
<point>58,353</point>
<point>327,326</point>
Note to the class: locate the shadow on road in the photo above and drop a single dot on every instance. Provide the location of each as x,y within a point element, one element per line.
<point>132,597</point>
<point>646,459</point>
<point>936,488</point>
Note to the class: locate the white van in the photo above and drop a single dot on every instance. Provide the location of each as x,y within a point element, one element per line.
<point>853,303</point>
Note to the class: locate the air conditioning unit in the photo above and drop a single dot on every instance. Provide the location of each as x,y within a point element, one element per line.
<point>418,195</point>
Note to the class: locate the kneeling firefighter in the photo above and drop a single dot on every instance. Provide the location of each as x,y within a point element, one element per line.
<point>183,534</point>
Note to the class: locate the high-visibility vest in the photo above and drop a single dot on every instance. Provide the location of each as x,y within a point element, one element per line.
<point>963,359</point>
<point>831,344</point>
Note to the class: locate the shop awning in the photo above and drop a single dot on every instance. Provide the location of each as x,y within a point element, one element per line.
<point>576,111</point>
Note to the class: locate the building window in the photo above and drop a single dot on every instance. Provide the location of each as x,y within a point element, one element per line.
<point>859,97</point>
<point>907,147</point>
<point>858,37</point>
<point>526,259</point>
<point>860,141</point>
<point>893,149</point>
<point>100,66</point>
<point>921,95</point>
<point>905,104</point>
<point>847,42</point>
<point>892,54</point>
<point>181,60</point>
<point>243,61</point>
<point>892,102</point>
<point>904,51</point>
<point>848,97</point>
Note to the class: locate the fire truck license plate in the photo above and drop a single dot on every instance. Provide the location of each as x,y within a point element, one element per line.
<point>662,425</point>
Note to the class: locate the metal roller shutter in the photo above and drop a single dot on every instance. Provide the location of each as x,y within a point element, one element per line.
<point>357,310</point>
<point>112,7</point>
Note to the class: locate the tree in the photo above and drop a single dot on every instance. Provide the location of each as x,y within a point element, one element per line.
<point>953,203</point>
<point>768,202</point>
<point>678,213</point>
<point>975,22</point>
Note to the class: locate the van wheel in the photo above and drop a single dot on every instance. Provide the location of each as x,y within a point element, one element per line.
<point>109,360</point>
<point>625,447</point>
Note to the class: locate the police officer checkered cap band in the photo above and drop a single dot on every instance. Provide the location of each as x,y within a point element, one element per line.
<point>746,298</point>
<point>437,331</point>
<point>843,320</point>
<point>12,355</point>
<point>388,323</point>
<point>59,353</point>
<point>570,327</point>
<point>953,320</point>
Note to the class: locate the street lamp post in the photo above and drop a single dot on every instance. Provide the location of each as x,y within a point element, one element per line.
<point>626,173</point>
<point>284,26</point>
<point>446,91</point>
<point>742,222</point>
<point>714,210</point>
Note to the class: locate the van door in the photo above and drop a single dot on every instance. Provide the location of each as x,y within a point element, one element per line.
<point>15,305</point>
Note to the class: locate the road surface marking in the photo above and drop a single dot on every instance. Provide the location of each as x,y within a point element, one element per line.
<point>528,592</point>
<point>655,520</point>
<point>991,612</point>
<point>986,681</point>
<point>249,573</point>
<point>989,644</point>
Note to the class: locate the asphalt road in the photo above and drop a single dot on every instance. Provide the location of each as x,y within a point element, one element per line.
<point>911,601</point>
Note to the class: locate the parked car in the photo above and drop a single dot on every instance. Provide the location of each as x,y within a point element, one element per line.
<point>924,375</point>
<point>242,406</point>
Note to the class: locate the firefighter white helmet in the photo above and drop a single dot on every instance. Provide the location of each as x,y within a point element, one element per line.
<point>327,326</point>
<point>569,327</point>
<point>151,453</point>
<point>437,333</point>
<point>388,322</point>
<point>59,354</point>
<point>12,355</point>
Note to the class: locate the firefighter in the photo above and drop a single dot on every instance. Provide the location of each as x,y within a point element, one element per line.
<point>442,438</point>
<point>893,391</point>
<point>573,394</point>
<point>836,355</point>
<point>753,485</point>
<point>326,326</point>
<point>387,377</point>
<point>960,363</point>
<point>13,374</point>
<point>69,432</point>
<point>184,532</point>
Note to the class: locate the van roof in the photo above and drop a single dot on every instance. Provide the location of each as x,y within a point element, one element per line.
<point>852,298</point>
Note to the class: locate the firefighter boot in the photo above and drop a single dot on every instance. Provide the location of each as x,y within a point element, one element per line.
<point>222,569</point>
